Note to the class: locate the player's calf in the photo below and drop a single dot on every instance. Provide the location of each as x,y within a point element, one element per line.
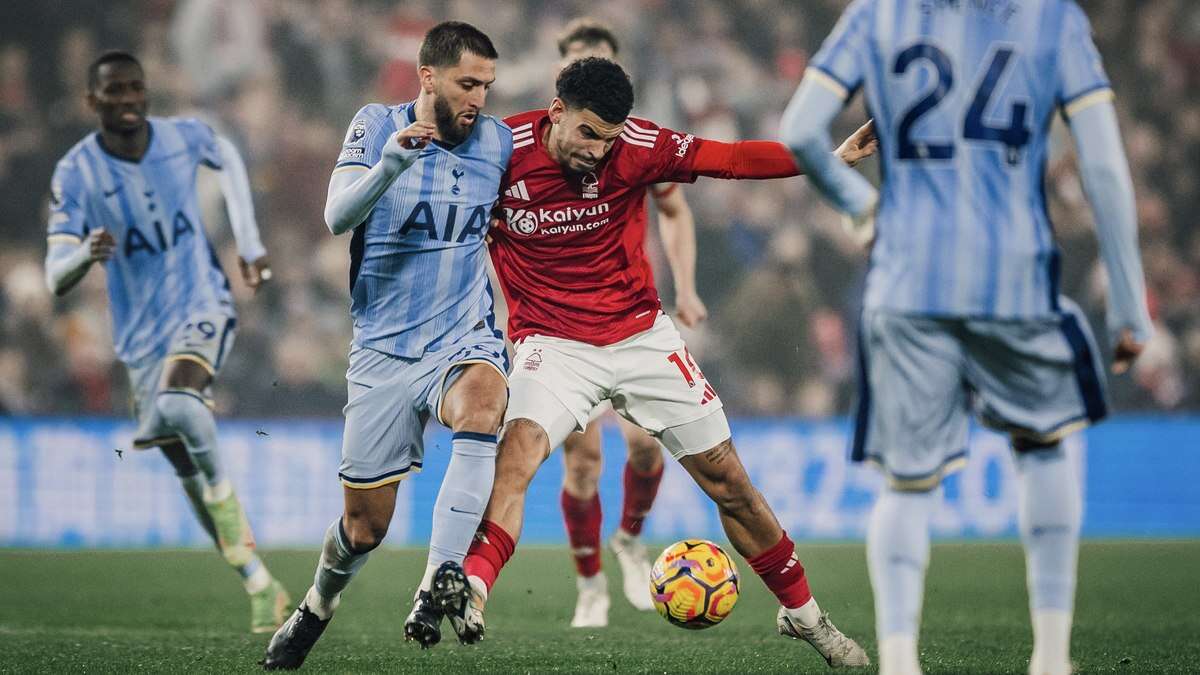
<point>756,534</point>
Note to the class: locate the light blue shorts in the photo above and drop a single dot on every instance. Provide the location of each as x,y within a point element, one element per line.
<point>920,377</point>
<point>389,399</point>
<point>205,338</point>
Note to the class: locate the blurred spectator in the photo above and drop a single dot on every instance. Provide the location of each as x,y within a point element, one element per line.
<point>284,77</point>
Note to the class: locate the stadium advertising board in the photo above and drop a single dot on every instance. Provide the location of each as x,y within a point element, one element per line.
<point>63,483</point>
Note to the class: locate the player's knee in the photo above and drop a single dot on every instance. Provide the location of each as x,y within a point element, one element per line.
<point>581,475</point>
<point>364,532</point>
<point>644,454</point>
<point>523,446</point>
<point>181,410</point>
<point>483,418</point>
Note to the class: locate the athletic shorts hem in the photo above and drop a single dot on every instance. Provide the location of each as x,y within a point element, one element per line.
<point>1055,433</point>
<point>446,376</point>
<point>380,480</point>
<point>719,430</point>
<point>921,482</point>
<point>154,442</point>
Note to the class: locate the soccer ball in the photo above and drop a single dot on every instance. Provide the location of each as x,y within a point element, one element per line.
<point>694,584</point>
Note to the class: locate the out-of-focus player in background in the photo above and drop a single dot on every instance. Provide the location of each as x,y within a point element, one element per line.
<point>588,325</point>
<point>962,305</point>
<point>416,183</point>
<point>125,197</point>
<point>583,456</point>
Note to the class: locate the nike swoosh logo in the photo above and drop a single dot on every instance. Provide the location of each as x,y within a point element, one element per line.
<point>109,193</point>
<point>458,510</point>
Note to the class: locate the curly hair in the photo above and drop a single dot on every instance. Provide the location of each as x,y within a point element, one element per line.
<point>598,85</point>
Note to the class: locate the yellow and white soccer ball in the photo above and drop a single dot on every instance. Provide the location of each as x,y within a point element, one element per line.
<point>694,584</point>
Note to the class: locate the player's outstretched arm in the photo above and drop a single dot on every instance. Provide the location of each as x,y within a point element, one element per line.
<point>677,227</point>
<point>235,186</point>
<point>1105,175</point>
<point>67,262</point>
<point>353,190</point>
<point>805,131</point>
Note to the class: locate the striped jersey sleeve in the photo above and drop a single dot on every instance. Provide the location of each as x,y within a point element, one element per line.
<point>201,140</point>
<point>1081,77</point>
<point>67,222</point>
<point>844,58</point>
<point>367,135</point>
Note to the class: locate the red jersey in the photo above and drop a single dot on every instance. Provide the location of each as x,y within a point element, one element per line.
<point>569,254</point>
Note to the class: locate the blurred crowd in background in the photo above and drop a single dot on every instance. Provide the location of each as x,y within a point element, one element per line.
<point>283,78</point>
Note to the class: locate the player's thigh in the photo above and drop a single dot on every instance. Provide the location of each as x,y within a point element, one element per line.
<point>662,390</point>
<point>198,349</point>
<point>1037,380</point>
<point>583,457</point>
<point>642,450</point>
<point>383,437</point>
<point>912,416</point>
<point>467,389</point>
<point>556,384</point>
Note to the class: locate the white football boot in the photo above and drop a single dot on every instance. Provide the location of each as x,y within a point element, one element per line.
<point>635,569</point>
<point>838,650</point>
<point>591,607</point>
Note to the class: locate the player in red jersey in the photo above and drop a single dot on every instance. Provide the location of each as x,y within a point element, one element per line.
<point>583,457</point>
<point>588,326</point>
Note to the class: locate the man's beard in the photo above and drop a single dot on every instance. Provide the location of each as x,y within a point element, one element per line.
<point>448,127</point>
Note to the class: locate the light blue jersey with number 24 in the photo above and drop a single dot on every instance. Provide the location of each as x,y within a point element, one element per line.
<point>963,93</point>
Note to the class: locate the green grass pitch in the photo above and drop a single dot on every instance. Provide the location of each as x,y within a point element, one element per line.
<point>183,611</point>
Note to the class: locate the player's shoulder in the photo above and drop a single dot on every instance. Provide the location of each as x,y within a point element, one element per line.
<point>522,126</point>
<point>193,129</point>
<point>67,166</point>
<point>640,135</point>
<point>376,112</point>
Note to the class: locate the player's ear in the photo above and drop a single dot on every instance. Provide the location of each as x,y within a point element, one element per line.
<point>92,102</point>
<point>557,108</point>
<point>425,75</point>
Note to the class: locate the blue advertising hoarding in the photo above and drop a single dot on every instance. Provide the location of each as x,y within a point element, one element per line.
<point>63,483</point>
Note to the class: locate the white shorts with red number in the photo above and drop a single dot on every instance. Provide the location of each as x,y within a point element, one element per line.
<point>650,378</point>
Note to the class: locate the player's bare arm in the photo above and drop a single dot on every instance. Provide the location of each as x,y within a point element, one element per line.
<point>677,227</point>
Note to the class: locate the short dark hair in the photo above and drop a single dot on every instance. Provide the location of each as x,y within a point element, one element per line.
<point>113,56</point>
<point>598,85</point>
<point>444,44</point>
<point>590,32</point>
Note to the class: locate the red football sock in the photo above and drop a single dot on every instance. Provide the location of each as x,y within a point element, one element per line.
<point>781,571</point>
<point>582,517</point>
<point>640,490</point>
<point>489,551</point>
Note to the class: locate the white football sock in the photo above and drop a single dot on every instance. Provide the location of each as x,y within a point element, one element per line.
<point>897,556</point>
<point>807,615</point>
<point>338,565</point>
<point>465,490</point>
<point>1049,515</point>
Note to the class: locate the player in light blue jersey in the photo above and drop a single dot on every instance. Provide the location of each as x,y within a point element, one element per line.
<point>962,303</point>
<point>416,183</point>
<point>125,197</point>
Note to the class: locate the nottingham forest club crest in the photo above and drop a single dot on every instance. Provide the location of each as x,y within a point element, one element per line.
<point>591,186</point>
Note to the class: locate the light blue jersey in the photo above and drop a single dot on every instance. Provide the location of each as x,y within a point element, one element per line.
<point>963,93</point>
<point>418,264</point>
<point>163,269</point>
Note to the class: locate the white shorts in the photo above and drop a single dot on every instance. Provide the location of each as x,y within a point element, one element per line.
<point>650,378</point>
<point>205,338</point>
